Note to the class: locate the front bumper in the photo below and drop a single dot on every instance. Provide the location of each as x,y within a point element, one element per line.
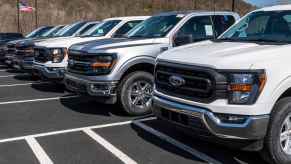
<point>203,122</point>
<point>23,63</point>
<point>50,73</point>
<point>102,89</point>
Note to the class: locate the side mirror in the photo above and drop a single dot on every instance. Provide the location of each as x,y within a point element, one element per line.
<point>182,40</point>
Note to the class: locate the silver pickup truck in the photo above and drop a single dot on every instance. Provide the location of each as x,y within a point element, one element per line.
<point>121,69</point>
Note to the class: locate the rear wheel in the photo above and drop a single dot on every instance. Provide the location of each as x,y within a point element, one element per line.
<point>277,148</point>
<point>135,93</point>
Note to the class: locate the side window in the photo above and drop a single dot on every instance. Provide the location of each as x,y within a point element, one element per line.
<point>89,26</point>
<point>195,29</point>
<point>222,23</point>
<point>126,27</point>
<point>42,31</point>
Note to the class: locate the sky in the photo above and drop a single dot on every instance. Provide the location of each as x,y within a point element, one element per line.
<point>264,2</point>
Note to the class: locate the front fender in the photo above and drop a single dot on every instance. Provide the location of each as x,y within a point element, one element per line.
<point>283,86</point>
<point>133,61</point>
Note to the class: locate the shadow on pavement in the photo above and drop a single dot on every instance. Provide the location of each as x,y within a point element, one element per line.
<point>11,70</point>
<point>86,105</point>
<point>217,152</point>
<point>164,145</point>
<point>50,87</point>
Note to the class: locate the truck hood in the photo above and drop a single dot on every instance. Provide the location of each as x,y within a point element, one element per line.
<point>223,55</point>
<point>64,42</point>
<point>114,43</point>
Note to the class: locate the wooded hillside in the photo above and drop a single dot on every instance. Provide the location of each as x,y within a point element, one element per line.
<point>52,12</point>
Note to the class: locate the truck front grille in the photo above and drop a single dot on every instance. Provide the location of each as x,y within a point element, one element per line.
<point>24,51</point>
<point>11,49</point>
<point>80,64</point>
<point>199,84</point>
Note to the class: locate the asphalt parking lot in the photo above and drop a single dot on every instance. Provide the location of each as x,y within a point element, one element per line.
<point>41,122</point>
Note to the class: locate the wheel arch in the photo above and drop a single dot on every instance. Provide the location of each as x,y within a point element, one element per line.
<point>138,64</point>
<point>283,90</point>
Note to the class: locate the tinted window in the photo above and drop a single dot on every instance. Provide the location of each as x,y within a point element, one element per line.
<point>103,28</point>
<point>262,26</point>
<point>197,28</point>
<point>52,32</point>
<point>70,30</point>
<point>38,32</point>
<point>126,27</point>
<point>156,26</point>
<point>88,27</point>
<point>222,23</point>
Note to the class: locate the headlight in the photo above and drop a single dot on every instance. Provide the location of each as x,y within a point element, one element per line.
<point>104,63</point>
<point>245,87</point>
<point>58,54</point>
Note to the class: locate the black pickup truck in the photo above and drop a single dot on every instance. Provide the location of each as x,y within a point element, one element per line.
<point>5,38</point>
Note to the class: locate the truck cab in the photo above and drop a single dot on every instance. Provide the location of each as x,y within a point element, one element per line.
<point>121,69</point>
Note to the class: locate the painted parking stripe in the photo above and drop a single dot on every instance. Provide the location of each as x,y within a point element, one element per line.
<point>23,84</point>
<point>38,151</point>
<point>38,100</point>
<point>107,145</point>
<point>73,130</point>
<point>176,143</point>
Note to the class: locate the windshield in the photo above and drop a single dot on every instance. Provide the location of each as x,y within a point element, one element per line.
<point>262,26</point>
<point>70,30</point>
<point>156,26</point>
<point>52,32</point>
<point>38,32</point>
<point>102,29</point>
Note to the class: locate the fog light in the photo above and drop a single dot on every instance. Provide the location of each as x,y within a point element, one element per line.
<point>52,69</point>
<point>231,119</point>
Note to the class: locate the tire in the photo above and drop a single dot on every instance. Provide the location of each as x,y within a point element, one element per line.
<point>273,149</point>
<point>128,87</point>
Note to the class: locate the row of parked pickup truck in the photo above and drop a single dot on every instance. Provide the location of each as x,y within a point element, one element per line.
<point>209,73</point>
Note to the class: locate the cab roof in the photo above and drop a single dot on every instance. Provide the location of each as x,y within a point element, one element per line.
<point>276,8</point>
<point>194,12</point>
<point>128,18</point>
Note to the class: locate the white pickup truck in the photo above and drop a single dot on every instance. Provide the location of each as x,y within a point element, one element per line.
<point>121,69</point>
<point>51,56</point>
<point>236,89</point>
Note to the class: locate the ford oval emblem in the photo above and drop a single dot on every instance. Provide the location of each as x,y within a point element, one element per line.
<point>176,81</point>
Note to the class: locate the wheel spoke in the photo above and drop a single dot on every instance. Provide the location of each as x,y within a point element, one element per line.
<point>284,136</point>
<point>139,86</point>
<point>134,93</point>
<point>136,100</point>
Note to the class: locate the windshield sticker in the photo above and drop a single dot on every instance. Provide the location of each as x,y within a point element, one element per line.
<point>100,31</point>
<point>208,30</point>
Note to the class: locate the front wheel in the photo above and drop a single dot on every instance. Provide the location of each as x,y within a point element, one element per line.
<point>277,148</point>
<point>135,93</point>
